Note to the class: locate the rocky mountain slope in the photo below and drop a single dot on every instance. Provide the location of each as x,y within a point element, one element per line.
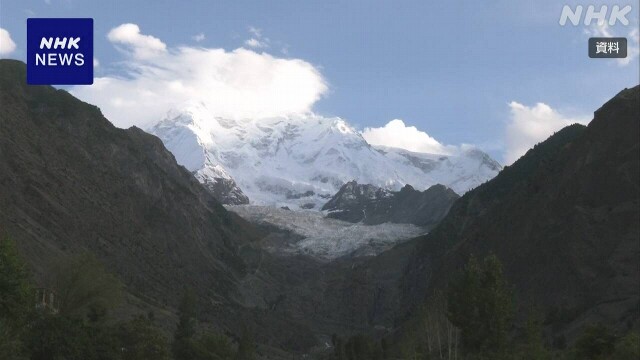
<point>300,162</point>
<point>564,221</point>
<point>70,181</point>
<point>373,205</point>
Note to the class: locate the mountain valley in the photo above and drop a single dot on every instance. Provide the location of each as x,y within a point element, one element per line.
<point>300,232</point>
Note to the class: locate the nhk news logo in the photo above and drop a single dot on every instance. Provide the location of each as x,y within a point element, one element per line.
<point>59,51</point>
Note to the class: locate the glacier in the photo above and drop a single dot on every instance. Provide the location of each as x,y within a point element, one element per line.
<point>325,238</point>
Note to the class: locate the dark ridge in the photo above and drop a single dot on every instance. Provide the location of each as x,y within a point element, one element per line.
<point>562,219</point>
<point>373,205</point>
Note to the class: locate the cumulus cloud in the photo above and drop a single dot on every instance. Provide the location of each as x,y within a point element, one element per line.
<point>199,37</point>
<point>530,125</point>
<point>396,134</point>
<point>7,46</point>
<point>142,46</point>
<point>232,84</point>
<point>633,41</point>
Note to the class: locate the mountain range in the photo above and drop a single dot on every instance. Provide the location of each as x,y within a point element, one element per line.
<point>301,161</point>
<point>562,219</point>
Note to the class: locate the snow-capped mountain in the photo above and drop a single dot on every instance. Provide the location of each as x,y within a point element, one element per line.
<point>301,161</point>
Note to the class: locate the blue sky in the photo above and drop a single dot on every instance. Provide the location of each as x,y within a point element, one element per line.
<point>453,69</point>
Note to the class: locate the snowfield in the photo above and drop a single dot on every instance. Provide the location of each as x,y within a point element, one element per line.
<point>301,161</point>
<point>326,238</point>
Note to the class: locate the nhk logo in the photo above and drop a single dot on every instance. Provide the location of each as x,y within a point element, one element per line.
<point>617,14</point>
<point>59,51</point>
<point>54,59</point>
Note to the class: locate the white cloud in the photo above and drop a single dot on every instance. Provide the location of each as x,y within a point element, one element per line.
<point>530,125</point>
<point>255,43</point>
<point>96,62</point>
<point>633,41</point>
<point>396,134</point>
<point>7,46</point>
<point>255,31</point>
<point>142,46</point>
<point>199,37</point>
<point>633,47</point>
<point>233,84</point>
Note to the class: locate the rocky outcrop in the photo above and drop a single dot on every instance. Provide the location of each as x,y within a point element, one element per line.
<point>221,186</point>
<point>372,205</point>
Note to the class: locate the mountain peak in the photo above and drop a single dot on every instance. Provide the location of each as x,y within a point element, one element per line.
<point>302,160</point>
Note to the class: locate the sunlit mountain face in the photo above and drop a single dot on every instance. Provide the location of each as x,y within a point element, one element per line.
<point>301,161</point>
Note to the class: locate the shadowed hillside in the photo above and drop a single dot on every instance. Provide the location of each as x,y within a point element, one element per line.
<point>564,221</point>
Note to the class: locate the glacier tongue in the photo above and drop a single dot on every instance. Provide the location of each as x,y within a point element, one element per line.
<point>326,238</point>
<point>300,161</point>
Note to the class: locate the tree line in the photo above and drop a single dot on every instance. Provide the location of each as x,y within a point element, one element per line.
<point>72,319</point>
<point>474,319</point>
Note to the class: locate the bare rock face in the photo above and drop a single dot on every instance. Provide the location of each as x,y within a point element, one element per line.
<point>373,205</point>
<point>224,189</point>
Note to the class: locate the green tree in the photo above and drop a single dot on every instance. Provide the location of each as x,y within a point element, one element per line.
<point>384,347</point>
<point>141,340</point>
<point>208,346</point>
<point>360,347</point>
<point>596,342</point>
<point>213,346</point>
<point>183,347</point>
<point>16,293</point>
<point>84,288</point>
<point>16,300</point>
<point>246,347</point>
<point>338,347</point>
<point>533,347</point>
<point>628,348</point>
<point>463,305</point>
<point>57,337</point>
<point>480,304</point>
<point>71,338</point>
